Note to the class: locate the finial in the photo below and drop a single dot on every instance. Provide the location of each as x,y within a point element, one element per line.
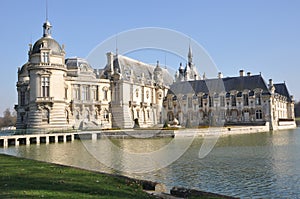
<point>46,10</point>
<point>47,29</point>
<point>190,54</point>
<point>157,63</point>
<point>116,44</point>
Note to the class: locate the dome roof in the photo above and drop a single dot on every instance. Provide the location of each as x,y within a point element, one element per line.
<point>157,68</point>
<point>50,43</point>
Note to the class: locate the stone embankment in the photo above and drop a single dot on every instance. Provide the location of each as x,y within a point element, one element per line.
<point>159,190</point>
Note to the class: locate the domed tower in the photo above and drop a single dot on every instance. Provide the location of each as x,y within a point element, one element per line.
<point>45,105</point>
<point>158,76</point>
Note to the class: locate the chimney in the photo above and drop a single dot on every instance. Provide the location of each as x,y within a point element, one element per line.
<point>241,73</point>
<point>220,75</point>
<point>270,82</point>
<point>110,61</point>
<point>249,74</point>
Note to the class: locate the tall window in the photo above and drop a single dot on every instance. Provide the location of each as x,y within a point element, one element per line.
<point>245,100</point>
<point>66,93</point>
<point>76,93</point>
<point>211,101</point>
<point>200,102</point>
<point>257,99</point>
<point>85,93</point>
<point>233,100</point>
<point>22,96</point>
<point>45,57</point>
<point>222,101</point>
<point>170,103</point>
<point>105,94</point>
<point>94,94</point>
<point>189,102</point>
<point>45,87</point>
<point>46,115</point>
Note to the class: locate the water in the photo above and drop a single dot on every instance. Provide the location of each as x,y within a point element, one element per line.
<point>262,165</point>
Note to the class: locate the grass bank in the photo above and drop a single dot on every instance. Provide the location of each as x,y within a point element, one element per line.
<point>23,178</point>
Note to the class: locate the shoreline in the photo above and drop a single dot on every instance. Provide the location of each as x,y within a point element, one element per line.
<point>152,189</point>
<point>172,132</point>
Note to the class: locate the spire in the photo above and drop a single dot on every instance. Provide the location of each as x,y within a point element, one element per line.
<point>47,26</point>
<point>190,55</point>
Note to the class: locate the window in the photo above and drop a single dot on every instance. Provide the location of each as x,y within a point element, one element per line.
<point>46,115</point>
<point>258,114</point>
<point>45,87</point>
<point>200,102</point>
<point>105,93</point>
<point>245,100</point>
<point>66,93</point>
<point>233,100</point>
<point>170,103</point>
<point>22,98</point>
<point>210,101</point>
<point>45,57</point>
<point>77,94</point>
<point>257,99</point>
<point>222,101</point>
<point>106,115</point>
<point>137,93</point>
<point>170,116</point>
<point>85,95</point>
<point>189,102</point>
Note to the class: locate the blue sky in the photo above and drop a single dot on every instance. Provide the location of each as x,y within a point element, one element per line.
<point>257,36</point>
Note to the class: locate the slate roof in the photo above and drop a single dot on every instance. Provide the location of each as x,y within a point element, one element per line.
<point>125,65</point>
<point>281,89</point>
<point>51,44</point>
<point>220,85</point>
<point>75,62</point>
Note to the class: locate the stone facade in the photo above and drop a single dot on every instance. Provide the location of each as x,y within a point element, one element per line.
<point>137,90</point>
<point>241,100</point>
<point>58,93</point>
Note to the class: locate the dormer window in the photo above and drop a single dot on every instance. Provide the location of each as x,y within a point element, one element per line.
<point>45,57</point>
<point>257,99</point>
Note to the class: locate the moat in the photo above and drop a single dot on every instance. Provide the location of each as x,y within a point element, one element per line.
<point>258,165</point>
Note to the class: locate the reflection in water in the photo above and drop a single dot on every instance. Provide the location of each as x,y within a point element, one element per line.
<point>254,165</point>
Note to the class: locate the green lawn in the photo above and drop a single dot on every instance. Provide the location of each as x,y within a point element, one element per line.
<point>23,178</point>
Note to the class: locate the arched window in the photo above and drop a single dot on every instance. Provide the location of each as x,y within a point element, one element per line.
<point>106,115</point>
<point>137,92</point>
<point>258,114</point>
<point>105,93</point>
<point>257,99</point>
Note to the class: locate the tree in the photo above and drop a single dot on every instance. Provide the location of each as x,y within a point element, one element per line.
<point>8,119</point>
